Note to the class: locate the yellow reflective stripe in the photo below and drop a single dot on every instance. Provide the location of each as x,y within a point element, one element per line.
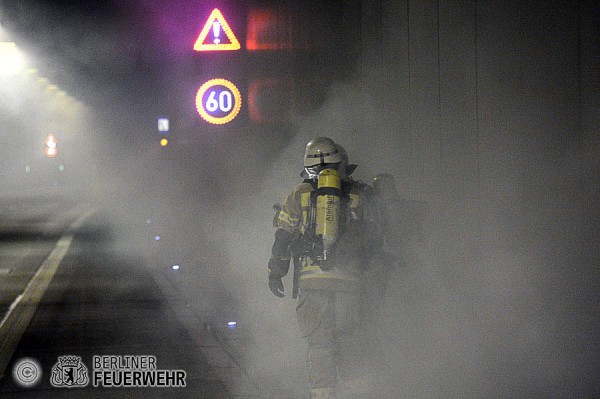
<point>329,276</point>
<point>311,269</point>
<point>354,200</point>
<point>309,272</point>
<point>305,206</point>
<point>285,219</point>
<point>305,200</point>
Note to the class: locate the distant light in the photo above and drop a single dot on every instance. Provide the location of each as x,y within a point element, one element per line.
<point>156,238</point>
<point>51,149</point>
<point>148,221</point>
<point>175,267</point>
<point>232,324</point>
<point>61,167</point>
<point>163,124</point>
<point>51,141</point>
<point>164,142</point>
<point>27,168</point>
<point>50,152</point>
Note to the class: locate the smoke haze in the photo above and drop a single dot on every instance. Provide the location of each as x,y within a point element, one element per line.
<point>486,113</point>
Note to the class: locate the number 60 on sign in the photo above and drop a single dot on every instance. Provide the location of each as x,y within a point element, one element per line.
<point>218,101</point>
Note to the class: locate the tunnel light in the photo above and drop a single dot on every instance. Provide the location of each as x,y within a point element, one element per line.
<point>52,88</point>
<point>176,267</point>
<point>43,81</point>
<point>232,324</point>
<point>11,59</point>
<point>31,73</point>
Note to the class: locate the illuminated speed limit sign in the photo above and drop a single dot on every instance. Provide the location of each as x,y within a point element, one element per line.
<point>218,101</point>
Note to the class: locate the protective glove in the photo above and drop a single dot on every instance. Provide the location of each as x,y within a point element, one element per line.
<point>276,286</point>
<point>277,269</point>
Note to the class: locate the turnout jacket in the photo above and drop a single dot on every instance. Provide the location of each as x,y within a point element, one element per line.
<point>358,239</point>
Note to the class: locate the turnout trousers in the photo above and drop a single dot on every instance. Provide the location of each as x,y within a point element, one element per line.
<point>329,321</point>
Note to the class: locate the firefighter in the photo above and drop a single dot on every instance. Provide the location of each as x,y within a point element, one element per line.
<point>327,227</point>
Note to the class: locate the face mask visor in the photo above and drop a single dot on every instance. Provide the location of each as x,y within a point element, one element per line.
<point>312,172</point>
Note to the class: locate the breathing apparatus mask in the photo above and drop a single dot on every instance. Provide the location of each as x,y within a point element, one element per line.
<point>312,172</point>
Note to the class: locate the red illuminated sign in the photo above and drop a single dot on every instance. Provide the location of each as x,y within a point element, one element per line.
<point>269,29</point>
<point>271,100</point>
<point>216,34</point>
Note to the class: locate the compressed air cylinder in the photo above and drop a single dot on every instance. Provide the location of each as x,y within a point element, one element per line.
<point>328,208</point>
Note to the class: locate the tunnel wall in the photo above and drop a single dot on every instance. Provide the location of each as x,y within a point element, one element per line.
<point>491,99</point>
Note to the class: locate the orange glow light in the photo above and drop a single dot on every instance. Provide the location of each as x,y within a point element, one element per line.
<point>268,30</point>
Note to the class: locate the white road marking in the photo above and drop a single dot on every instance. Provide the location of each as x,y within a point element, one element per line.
<point>19,315</point>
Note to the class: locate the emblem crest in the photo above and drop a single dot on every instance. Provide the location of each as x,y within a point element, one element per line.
<point>69,372</point>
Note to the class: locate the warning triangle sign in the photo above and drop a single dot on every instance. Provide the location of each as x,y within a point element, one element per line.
<point>216,34</point>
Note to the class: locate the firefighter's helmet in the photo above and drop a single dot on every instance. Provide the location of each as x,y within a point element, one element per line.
<point>321,153</point>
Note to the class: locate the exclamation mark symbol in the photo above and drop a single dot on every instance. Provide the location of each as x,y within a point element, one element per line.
<point>216,31</point>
